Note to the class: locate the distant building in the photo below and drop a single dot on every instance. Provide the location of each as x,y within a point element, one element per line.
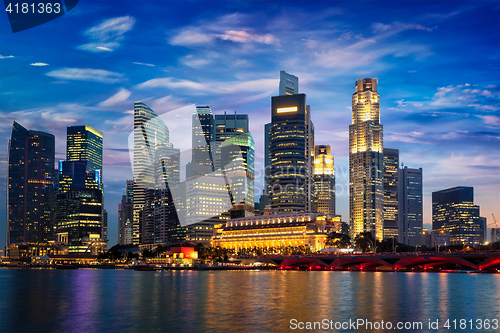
<point>410,213</point>
<point>84,144</point>
<point>495,235</point>
<point>391,196</point>
<point>125,213</point>
<point>277,230</point>
<point>289,84</point>
<point>323,190</point>
<point>30,183</point>
<point>434,238</point>
<point>203,136</point>
<point>453,210</point>
<point>483,228</point>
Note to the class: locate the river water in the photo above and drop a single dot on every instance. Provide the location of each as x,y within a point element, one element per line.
<point>93,300</point>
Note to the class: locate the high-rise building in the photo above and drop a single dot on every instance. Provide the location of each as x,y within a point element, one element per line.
<point>80,201</point>
<point>267,161</point>
<point>125,215</point>
<point>366,197</point>
<point>149,130</point>
<point>289,84</point>
<point>323,193</point>
<point>237,157</point>
<point>391,167</point>
<point>30,181</point>
<point>453,210</point>
<point>203,143</point>
<point>483,228</point>
<point>84,144</point>
<point>227,126</point>
<point>410,213</point>
<point>291,151</point>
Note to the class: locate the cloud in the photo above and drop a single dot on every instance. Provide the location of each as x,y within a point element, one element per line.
<point>243,36</point>
<point>191,37</point>
<point>86,74</point>
<point>143,64</point>
<point>106,36</point>
<point>6,57</point>
<point>397,27</point>
<point>39,64</point>
<point>494,121</point>
<point>119,97</point>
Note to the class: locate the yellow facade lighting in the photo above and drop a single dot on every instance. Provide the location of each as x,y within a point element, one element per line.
<point>287,109</point>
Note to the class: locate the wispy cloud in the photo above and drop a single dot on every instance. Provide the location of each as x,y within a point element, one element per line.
<point>143,64</point>
<point>119,97</point>
<point>86,74</point>
<point>39,64</point>
<point>106,36</point>
<point>6,57</point>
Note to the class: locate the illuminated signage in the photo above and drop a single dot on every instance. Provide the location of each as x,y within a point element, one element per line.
<point>286,110</point>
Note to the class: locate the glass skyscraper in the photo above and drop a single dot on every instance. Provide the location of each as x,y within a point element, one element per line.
<point>391,197</point>
<point>323,194</point>
<point>453,210</point>
<point>30,182</point>
<point>84,143</point>
<point>410,213</point>
<point>366,161</point>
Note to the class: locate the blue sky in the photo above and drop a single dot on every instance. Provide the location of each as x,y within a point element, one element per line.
<point>437,64</point>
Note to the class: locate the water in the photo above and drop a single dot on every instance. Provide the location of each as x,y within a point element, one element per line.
<point>86,300</point>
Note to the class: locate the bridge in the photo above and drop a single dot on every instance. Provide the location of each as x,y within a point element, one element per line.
<point>395,262</point>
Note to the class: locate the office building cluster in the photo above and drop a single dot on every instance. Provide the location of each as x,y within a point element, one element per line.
<point>385,199</point>
<point>61,206</point>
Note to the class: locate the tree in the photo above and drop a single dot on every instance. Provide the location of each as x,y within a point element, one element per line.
<point>339,240</point>
<point>365,241</point>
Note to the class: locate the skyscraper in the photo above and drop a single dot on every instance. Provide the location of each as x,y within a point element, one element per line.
<point>410,213</point>
<point>366,197</point>
<point>125,215</point>
<point>149,130</point>
<point>453,210</point>
<point>291,151</point>
<point>289,84</point>
<point>323,194</point>
<point>30,184</point>
<point>203,143</point>
<point>227,126</point>
<point>84,144</point>
<point>391,167</point>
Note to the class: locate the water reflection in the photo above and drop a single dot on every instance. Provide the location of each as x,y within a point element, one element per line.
<point>247,301</point>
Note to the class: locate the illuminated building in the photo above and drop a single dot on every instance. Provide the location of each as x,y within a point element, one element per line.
<point>366,197</point>
<point>125,213</point>
<point>279,230</point>
<point>453,210</point>
<point>391,167</point>
<point>239,173</point>
<point>410,213</point>
<point>84,143</point>
<point>435,238</point>
<point>227,126</point>
<point>30,182</point>
<point>149,130</point>
<point>80,199</point>
<point>323,196</point>
<point>289,84</point>
<point>291,151</point>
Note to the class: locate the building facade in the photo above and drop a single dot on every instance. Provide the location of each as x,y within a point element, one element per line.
<point>391,196</point>
<point>410,206</point>
<point>291,151</point>
<point>366,197</point>
<point>125,215</point>
<point>495,235</point>
<point>273,231</point>
<point>453,210</point>
<point>30,183</point>
<point>289,84</point>
<point>323,190</point>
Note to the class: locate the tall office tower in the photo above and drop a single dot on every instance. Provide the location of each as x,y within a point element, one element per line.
<point>453,210</point>
<point>125,215</point>
<point>323,194</point>
<point>289,84</point>
<point>30,200</point>
<point>391,197</point>
<point>291,147</point>
<point>237,157</point>
<point>366,160</point>
<point>495,235</point>
<point>483,228</point>
<point>410,213</point>
<point>226,127</point>
<point>84,144</point>
<point>167,228</point>
<point>202,143</point>
<point>267,160</point>
<point>149,130</point>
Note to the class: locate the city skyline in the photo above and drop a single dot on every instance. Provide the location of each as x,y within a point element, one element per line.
<point>434,103</point>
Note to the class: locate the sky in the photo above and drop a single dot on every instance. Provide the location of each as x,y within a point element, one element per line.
<point>437,65</point>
